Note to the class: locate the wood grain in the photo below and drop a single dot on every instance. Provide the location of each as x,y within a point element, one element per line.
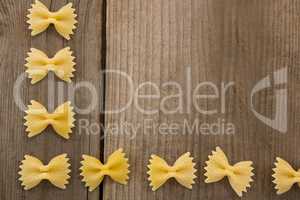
<point>15,42</point>
<point>219,41</point>
<point>159,41</point>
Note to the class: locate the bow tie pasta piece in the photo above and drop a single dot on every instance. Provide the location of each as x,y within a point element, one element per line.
<point>239,175</point>
<point>38,65</point>
<point>183,171</point>
<point>63,20</point>
<point>93,171</point>
<point>38,119</point>
<point>33,171</point>
<point>285,176</point>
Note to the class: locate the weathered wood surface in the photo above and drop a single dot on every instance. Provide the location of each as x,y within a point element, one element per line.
<point>15,42</point>
<point>156,41</point>
<point>221,41</point>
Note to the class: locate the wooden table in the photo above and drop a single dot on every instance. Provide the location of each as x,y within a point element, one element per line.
<point>129,48</point>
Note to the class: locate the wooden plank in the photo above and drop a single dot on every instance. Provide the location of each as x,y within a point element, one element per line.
<point>15,42</point>
<point>221,41</point>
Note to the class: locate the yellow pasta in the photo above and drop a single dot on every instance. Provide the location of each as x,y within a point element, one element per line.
<point>63,20</point>
<point>182,171</point>
<point>38,65</point>
<point>38,119</point>
<point>93,171</point>
<point>285,176</point>
<point>33,171</point>
<point>239,175</point>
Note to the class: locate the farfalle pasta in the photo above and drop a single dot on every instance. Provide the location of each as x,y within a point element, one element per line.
<point>239,175</point>
<point>33,171</point>
<point>183,171</point>
<point>38,119</point>
<point>38,65</point>
<point>285,176</point>
<point>93,171</point>
<point>63,20</point>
